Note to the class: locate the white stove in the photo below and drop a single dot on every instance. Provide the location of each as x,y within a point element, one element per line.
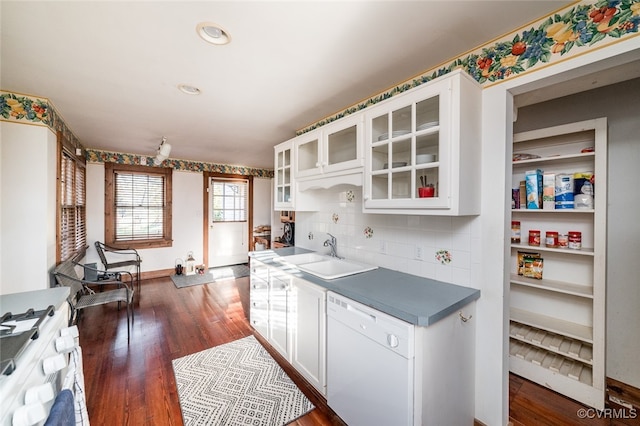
<point>32,367</point>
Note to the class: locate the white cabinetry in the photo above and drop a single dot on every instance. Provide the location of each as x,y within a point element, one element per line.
<point>307,321</point>
<point>428,137</point>
<point>290,314</point>
<point>557,324</point>
<point>259,297</point>
<point>332,149</point>
<point>284,195</point>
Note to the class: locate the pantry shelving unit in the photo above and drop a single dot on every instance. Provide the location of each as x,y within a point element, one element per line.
<point>557,323</point>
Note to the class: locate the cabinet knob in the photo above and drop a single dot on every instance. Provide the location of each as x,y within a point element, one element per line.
<point>318,164</point>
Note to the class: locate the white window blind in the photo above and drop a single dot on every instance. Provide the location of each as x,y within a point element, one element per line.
<point>229,200</point>
<point>73,231</point>
<point>139,206</point>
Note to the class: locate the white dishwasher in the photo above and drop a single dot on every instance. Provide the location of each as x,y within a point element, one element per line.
<point>370,364</point>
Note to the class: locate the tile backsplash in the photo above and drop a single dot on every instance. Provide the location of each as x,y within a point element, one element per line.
<point>437,247</point>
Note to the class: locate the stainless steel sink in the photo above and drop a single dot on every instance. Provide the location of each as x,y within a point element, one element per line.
<point>324,266</point>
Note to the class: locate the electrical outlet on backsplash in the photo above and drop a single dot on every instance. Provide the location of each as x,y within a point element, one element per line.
<point>449,246</point>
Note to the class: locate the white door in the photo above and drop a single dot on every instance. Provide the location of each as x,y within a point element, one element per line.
<point>228,221</point>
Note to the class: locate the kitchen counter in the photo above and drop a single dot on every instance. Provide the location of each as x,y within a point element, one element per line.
<point>416,300</point>
<point>18,303</point>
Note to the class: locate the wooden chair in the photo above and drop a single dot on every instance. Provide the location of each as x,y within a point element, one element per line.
<point>115,258</point>
<point>108,289</point>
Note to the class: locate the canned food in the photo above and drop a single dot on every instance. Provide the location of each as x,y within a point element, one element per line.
<point>515,231</point>
<point>575,240</point>
<point>551,239</point>
<point>534,237</point>
<point>563,241</point>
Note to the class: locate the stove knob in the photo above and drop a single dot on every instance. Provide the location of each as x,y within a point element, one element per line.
<point>70,331</point>
<point>65,344</point>
<point>43,393</point>
<point>28,415</point>
<point>54,363</point>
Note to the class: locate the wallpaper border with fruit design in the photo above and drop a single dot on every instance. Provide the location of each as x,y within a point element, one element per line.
<point>98,156</point>
<point>34,110</point>
<point>572,31</point>
<point>39,111</point>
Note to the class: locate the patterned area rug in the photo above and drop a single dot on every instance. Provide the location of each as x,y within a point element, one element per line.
<point>237,383</point>
<point>214,274</point>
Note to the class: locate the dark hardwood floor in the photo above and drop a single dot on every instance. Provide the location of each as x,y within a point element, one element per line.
<point>134,384</point>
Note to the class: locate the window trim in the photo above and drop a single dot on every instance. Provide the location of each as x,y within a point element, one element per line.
<point>110,170</point>
<point>244,181</point>
<point>66,148</point>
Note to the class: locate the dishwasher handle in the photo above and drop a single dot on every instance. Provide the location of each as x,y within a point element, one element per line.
<point>361,313</point>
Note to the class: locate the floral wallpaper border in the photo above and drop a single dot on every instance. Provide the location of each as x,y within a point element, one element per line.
<point>39,111</point>
<point>34,110</point>
<point>573,30</point>
<point>98,156</point>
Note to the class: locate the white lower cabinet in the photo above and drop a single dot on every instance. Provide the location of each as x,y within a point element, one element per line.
<point>307,319</point>
<point>279,329</point>
<point>290,314</point>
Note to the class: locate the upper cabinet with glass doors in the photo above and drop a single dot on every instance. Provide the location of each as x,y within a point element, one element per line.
<point>332,149</point>
<point>283,177</point>
<point>422,150</point>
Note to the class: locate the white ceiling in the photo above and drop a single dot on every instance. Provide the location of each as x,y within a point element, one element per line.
<point>111,69</point>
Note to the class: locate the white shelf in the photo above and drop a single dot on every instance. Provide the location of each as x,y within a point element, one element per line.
<point>547,211</point>
<point>584,251</point>
<point>551,342</point>
<point>557,328</point>
<point>553,285</point>
<point>570,158</point>
<point>554,325</point>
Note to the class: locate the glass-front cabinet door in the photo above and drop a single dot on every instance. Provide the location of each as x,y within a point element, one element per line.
<point>283,177</point>
<point>409,152</point>
<point>343,145</point>
<point>332,148</point>
<point>308,154</point>
<point>413,158</point>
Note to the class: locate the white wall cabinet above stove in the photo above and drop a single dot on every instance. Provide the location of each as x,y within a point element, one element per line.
<point>283,179</point>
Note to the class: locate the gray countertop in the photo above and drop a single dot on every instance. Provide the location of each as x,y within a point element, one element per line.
<point>417,300</point>
<point>18,303</point>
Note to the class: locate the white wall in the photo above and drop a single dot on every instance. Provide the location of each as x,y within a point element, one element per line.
<point>262,201</point>
<point>28,205</point>
<point>187,219</point>
<point>395,238</point>
<point>620,104</point>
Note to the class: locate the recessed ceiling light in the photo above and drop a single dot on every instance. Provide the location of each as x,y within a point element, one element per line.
<point>189,90</point>
<point>212,33</point>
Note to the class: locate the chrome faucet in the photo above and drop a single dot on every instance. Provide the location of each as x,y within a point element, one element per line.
<point>332,244</point>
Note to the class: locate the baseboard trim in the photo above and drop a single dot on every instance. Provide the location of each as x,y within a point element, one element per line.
<point>160,273</point>
<point>621,395</point>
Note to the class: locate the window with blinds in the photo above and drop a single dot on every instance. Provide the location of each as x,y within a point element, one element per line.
<point>229,200</point>
<point>138,204</point>
<point>72,235</point>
